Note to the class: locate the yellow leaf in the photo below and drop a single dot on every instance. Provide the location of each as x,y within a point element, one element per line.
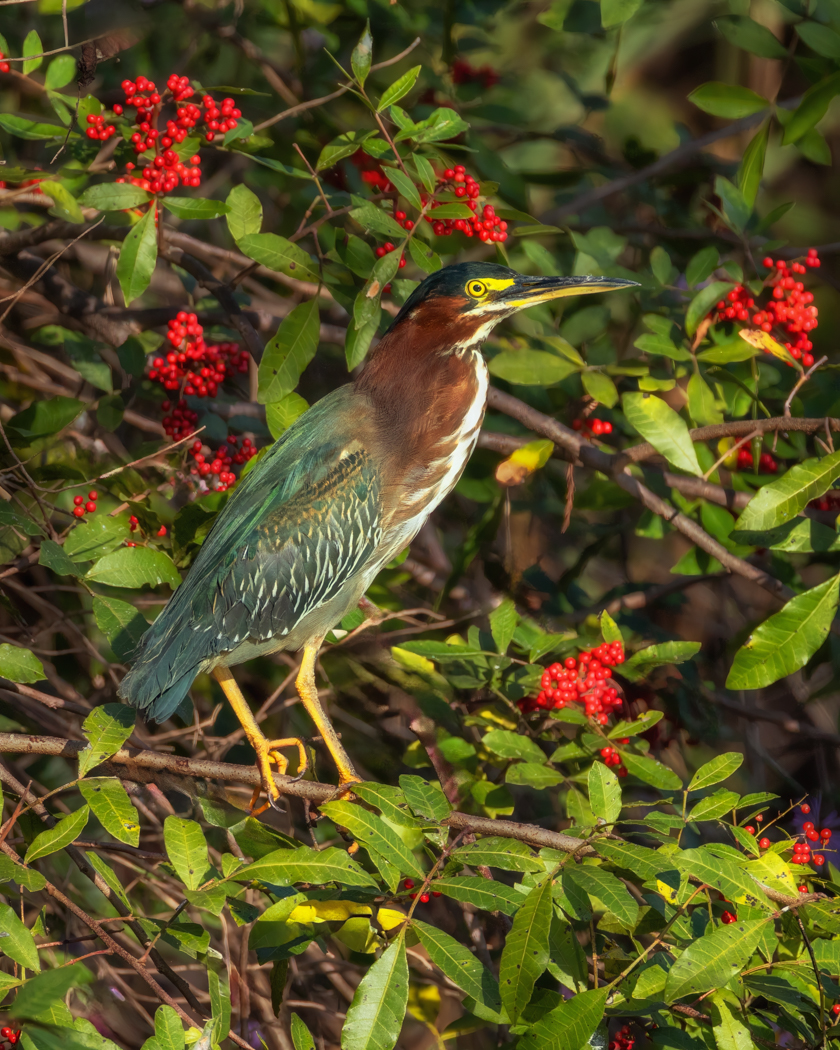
<point>328,911</point>
<point>389,918</point>
<point>424,1002</point>
<point>668,892</point>
<point>521,464</point>
<point>412,661</point>
<point>359,936</point>
<point>731,462</point>
<point>765,341</point>
<point>770,870</point>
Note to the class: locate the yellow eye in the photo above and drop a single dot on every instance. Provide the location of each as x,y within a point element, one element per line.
<point>476,289</point>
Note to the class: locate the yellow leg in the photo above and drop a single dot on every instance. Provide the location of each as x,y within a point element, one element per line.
<point>266,750</point>
<point>308,692</point>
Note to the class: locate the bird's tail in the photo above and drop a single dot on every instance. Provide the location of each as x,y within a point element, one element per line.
<point>168,658</point>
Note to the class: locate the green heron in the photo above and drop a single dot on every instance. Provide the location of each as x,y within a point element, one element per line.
<point>337,497</point>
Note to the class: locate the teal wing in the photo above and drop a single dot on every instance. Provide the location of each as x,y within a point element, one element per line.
<point>303,523</point>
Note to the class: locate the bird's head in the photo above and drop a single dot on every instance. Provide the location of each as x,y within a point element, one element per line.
<point>471,298</point>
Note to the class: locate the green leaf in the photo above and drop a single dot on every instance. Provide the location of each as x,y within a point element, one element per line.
<point>530,367</point>
<point>30,129</point>
<point>278,254</point>
<point>283,867</point>
<point>343,146</point>
<point>721,767</point>
<point>600,388</point>
<point>453,210</point>
<point>801,535</point>
<point>219,989</point>
<point>362,55</point>
<point>279,415</point>
<point>16,940</point>
<point>95,537</point>
<point>121,624</point>
<point>404,186</point>
<point>787,640</point>
<point>701,402</point>
<point>32,46</point>
<point>66,830</point>
<point>506,854</point>
<point>169,1031</point>
<point>373,218</point>
<point>138,257</point>
<point>735,209</point>
<point>745,33</point>
<point>525,954</point>
<point>48,988</point>
<point>60,71</point>
<point>644,661</point>
<point>713,959</point>
<point>811,109</point>
<point>442,124</point>
<point>398,89</point>
<point>489,896</point>
<point>569,1025</point>
<point>617,12</point>
<point>106,729</point>
<point>507,744</point>
<point>659,424</point>
<point>460,965</point>
<point>820,38</point>
<point>740,350</point>
<point>112,808</point>
<point>55,558</point>
<point>751,167</point>
<point>289,352</point>
<point>109,876</point>
<point>714,806</point>
<point>643,862</point>
<point>722,874</point>
<point>375,1016</point>
<point>604,792</point>
<point>503,621</point>
<point>44,418</point>
<point>65,205</point>
<point>703,302</point>
<point>187,850</point>
<point>607,889</point>
<point>651,772</point>
<point>423,256</point>
<point>113,196</point>
<point>301,1036</point>
<point>29,878</point>
<point>134,567</point>
<point>702,265</point>
<point>730,1032</point>
<point>372,831</point>
<point>195,207</point>
<point>427,800</point>
<point>20,665</point>
<point>533,774</point>
<point>727,100</point>
<point>779,501</point>
<point>245,212</point>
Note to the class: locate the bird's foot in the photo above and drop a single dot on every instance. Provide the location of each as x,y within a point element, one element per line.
<point>268,753</point>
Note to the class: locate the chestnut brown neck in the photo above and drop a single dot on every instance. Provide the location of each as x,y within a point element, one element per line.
<point>421,387</point>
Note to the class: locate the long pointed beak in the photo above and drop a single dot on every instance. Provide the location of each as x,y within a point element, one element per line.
<point>532,290</point>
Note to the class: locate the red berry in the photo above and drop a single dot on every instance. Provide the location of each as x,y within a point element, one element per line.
<point>79,512</point>
<point>825,834</point>
<point>805,808</point>
<point>409,884</point>
<point>750,830</point>
<point>818,859</point>
<point>728,918</point>
<point>93,494</point>
<point>132,520</point>
<point>424,898</point>
<point>836,1009</point>
<point>764,843</point>
<point>90,507</point>
<point>803,888</point>
<point>78,500</point>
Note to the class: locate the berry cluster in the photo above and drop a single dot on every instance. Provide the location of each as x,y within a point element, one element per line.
<point>424,897</point>
<point>623,1039</point>
<point>80,507</point>
<point>612,758</point>
<point>586,679</point>
<point>98,129</point>
<point>790,308</point>
<point>377,180</point>
<point>8,1034</point>
<point>465,73</point>
<point>388,246</point>
<point>180,421</point>
<point>197,366</point>
<point>596,427</point>
<point>164,173</point>
<point>219,463</point>
<point>487,226</point>
<point>801,850</point>
<point>766,463</point>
